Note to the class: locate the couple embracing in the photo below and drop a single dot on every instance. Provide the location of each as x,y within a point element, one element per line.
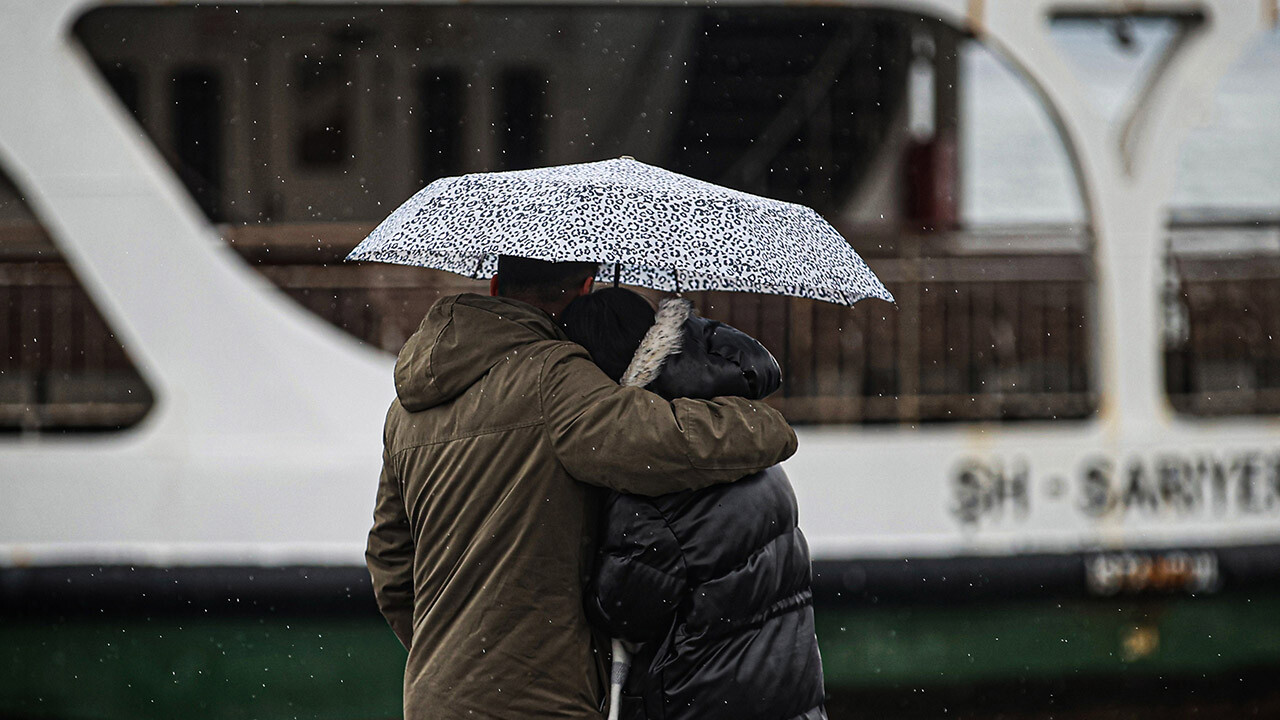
<point>563,467</point>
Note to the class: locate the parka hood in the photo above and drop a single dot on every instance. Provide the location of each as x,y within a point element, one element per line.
<point>461,338</point>
<point>684,355</point>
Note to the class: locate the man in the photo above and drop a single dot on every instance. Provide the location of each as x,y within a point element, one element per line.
<point>501,436</point>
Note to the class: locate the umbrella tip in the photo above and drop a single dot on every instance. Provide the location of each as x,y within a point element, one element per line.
<point>626,157</point>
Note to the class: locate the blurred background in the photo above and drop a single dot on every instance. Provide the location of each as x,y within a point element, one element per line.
<point>1045,484</point>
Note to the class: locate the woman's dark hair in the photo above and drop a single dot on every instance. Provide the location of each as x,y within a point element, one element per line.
<point>610,324</point>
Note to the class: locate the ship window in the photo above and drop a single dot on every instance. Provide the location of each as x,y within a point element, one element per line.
<point>523,100</point>
<point>1221,298</point>
<point>910,157</point>
<point>61,367</point>
<point>197,135</point>
<point>322,106</point>
<point>123,79</point>
<point>442,120</point>
<point>897,128</point>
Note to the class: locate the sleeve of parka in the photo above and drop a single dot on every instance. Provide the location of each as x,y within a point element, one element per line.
<point>389,555</point>
<point>633,441</point>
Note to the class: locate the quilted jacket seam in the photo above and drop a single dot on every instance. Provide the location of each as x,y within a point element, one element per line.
<point>757,550</point>
<point>684,565</point>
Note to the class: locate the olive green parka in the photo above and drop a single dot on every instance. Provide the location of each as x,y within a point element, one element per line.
<point>496,449</point>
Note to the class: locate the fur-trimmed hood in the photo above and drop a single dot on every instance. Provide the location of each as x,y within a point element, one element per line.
<point>684,355</point>
<point>664,339</point>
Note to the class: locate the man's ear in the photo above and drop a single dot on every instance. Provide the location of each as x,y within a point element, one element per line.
<point>587,285</point>
<point>493,286</point>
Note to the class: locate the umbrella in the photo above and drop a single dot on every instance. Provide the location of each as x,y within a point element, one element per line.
<point>645,225</point>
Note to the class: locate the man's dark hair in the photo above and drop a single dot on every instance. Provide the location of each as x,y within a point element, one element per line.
<point>546,281</point>
<point>610,324</point>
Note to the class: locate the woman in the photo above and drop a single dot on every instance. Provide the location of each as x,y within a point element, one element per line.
<point>711,588</point>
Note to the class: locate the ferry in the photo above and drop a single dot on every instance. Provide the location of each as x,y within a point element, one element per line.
<point>1053,464</point>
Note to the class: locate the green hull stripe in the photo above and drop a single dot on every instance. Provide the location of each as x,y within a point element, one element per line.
<point>327,667</point>
<point>1045,640</point>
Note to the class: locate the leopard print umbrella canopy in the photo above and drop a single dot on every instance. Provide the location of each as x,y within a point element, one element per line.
<point>653,227</point>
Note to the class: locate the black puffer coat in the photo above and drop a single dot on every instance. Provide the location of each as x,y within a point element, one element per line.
<point>713,584</point>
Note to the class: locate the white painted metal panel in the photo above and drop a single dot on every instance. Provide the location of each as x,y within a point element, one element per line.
<point>264,446</point>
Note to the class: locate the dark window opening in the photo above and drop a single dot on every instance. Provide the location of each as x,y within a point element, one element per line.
<point>792,105</point>
<point>522,100</point>
<point>442,102</point>
<point>123,79</point>
<point>323,113</point>
<point>13,207</point>
<point>197,135</point>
